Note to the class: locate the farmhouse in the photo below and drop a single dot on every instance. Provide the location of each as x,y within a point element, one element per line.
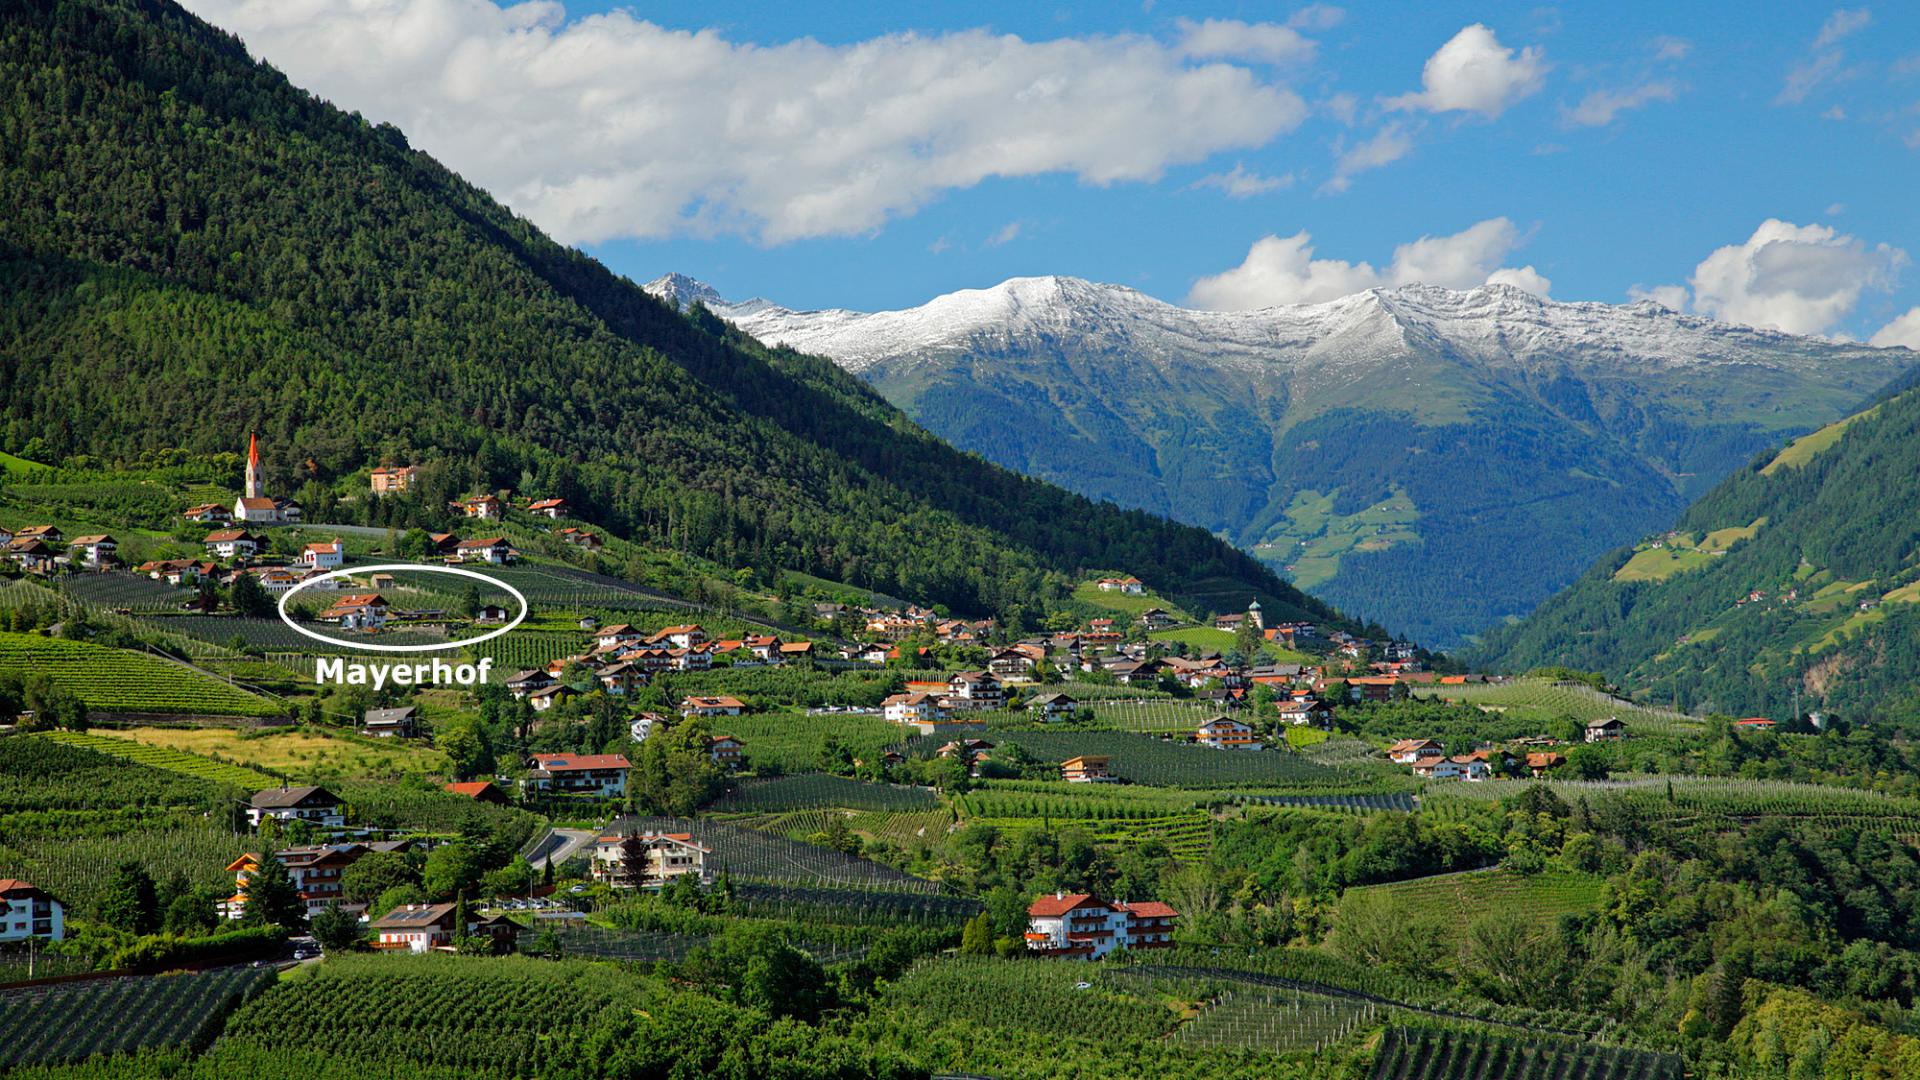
<point>390,723</point>
<point>604,775</point>
<point>29,912</point>
<point>1605,729</point>
<point>679,637</point>
<point>580,538</point>
<point>481,508</point>
<point>546,697</point>
<point>358,611</point>
<point>725,750</point>
<point>668,856</point>
<point>1156,619</point>
<point>1408,751</point>
<point>208,514</point>
<point>94,550</point>
<point>232,543</point>
<point>1127,586</point>
<point>479,791</point>
<point>429,927</point>
<point>30,553</point>
<point>712,706</point>
<point>1084,927</point>
<point>328,556</point>
<point>1539,764</point>
<point>314,804</point>
<point>549,508</point>
<point>914,708</point>
<point>1087,769</point>
<point>524,683</point>
<point>493,550</point>
<point>1052,707</point>
<point>1226,733</point>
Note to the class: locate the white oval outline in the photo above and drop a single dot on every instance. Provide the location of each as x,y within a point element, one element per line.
<point>525,608</point>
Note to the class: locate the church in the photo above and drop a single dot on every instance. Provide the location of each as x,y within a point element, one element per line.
<point>254,507</point>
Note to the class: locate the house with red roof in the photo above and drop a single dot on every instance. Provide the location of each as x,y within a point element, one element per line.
<point>479,791</point>
<point>549,508</point>
<point>604,775</point>
<point>1082,926</point>
<point>27,911</point>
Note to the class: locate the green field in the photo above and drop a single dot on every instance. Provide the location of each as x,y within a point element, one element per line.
<point>1537,699</point>
<point>1089,593</point>
<point>1310,543</point>
<point>1806,447</point>
<point>1465,897</point>
<point>121,681</point>
<point>172,760</point>
<point>1680,552</point>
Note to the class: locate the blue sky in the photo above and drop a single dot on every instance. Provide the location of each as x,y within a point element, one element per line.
<point>813,154</point>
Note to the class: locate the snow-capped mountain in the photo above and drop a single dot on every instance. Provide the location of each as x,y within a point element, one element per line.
<point>1434,458</point>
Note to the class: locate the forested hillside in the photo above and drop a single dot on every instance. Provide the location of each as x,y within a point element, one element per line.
<point>195,248</point>
<point>1800,574</point>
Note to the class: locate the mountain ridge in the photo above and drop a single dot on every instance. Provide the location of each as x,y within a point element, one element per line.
<point>1438,460</point>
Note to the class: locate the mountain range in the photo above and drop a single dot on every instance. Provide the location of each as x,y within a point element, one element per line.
<point>194,249</point>
<point>1794,582</point>
<point>1439,461</point>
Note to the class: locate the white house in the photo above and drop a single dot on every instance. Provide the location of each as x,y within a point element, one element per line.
<point>604,775</point>
<point>668,855</point>
<point>427,927</point>
<point>328,556</point>
<point>94,550</point>
<point>1226,733</point>
<point>29,912</point>
<point>916,708</point>
<point>1082,926</point>
<point>358,611</point>
<point>232,543</point>
<point>315,804</point>
<point>490,549</point>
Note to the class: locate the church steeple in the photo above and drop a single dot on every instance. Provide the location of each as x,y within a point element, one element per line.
<point>255,487</point>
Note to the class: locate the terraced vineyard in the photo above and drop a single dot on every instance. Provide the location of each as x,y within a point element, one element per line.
<point>901,829</point>
<point>117,680</point>
<point>1041,998</point>
<point>1670,798</point>
<point>1550,700</point>
<point>70,867</point>
<point>1428,1054</point>
<point>270,635</point>
<point>121,591</point>
<point>857,907</point>
<point>1280,1020</point>
<point>69,1023</point>
<point>747,855</point>
<point>1540,897</point>
<point>220,772</point>
<point>1155,762</point>
<point>811,790</point>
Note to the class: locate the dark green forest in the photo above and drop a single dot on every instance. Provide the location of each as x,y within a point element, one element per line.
<point>194,248</point>
<point>1841,530</point>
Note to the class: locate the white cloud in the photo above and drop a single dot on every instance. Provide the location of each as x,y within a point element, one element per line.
<point>1282,269</point>
<point>1388,145</point>
<point>1836,209</point>
<point>609,126</point>
<point>1668,48</point>
<point>1671,297</point>
<point>1798,279</point>
<point>1232,39</point>
<point>1475,73</point>
<point>1599,108</point>
<point>1904,330</point>
<point>1317,17</point>
<point>1242,182</point>
<point>1828,59</point>
<point>1005,234</point>
<point>1841,24</point>
<point>1526,279</point>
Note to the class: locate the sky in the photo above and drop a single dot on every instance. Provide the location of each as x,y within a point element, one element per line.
<point>1753,162</point>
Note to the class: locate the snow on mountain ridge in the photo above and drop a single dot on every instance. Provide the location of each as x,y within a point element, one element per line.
<point>1496,324</point>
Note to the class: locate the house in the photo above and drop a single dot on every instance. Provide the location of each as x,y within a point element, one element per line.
<point>725,750</point>
<point>29,912</point>
<point>643,725</point>
<point>358,611</point>
<point>914,708</point>
<point>622,678</point>
<point>966,750</point>
<point>208,514</point>
<point>48,534</point>
<point>1126,586</point>
<point>975,690</point>
<point>580,538</point>
<point>316,872</point>
<point>1226,733</point>
<point>1156,619</point>
<point>549,508</point>
<point>30,553</point>
<point>1474,767</point>
<point>524,683</point>
<point>1051,707</point>
<point>314,804</point>
<point>1408,751</point>
<point>388,480</point>
<point>328,556</point>
<point>546,697</point>
<point>390,723</point>
<point>94,550</point>
<point>443,543</point>
<point>1083,926</point>
<point>1603,729</point>
<point>429,927</point>
<point>479,791</point>
<point>488,549</point>
<point>1016,662</point>
<point>232,543</point>
<point>668,856</point>
<point>1309,711</point>
<point>482,508</point>
<point>1539,764</point>
<point>174,571</point>
<point>604,775</point>
<point>1087,769</point>
<point>679,637</point>
<point>1751,723</point>
<point>618,634</point>
<point>1438,768</point>
<point>490,615</point>
<point>712,706</point>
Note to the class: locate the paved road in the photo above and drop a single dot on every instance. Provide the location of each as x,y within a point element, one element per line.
<point>559,845</point>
